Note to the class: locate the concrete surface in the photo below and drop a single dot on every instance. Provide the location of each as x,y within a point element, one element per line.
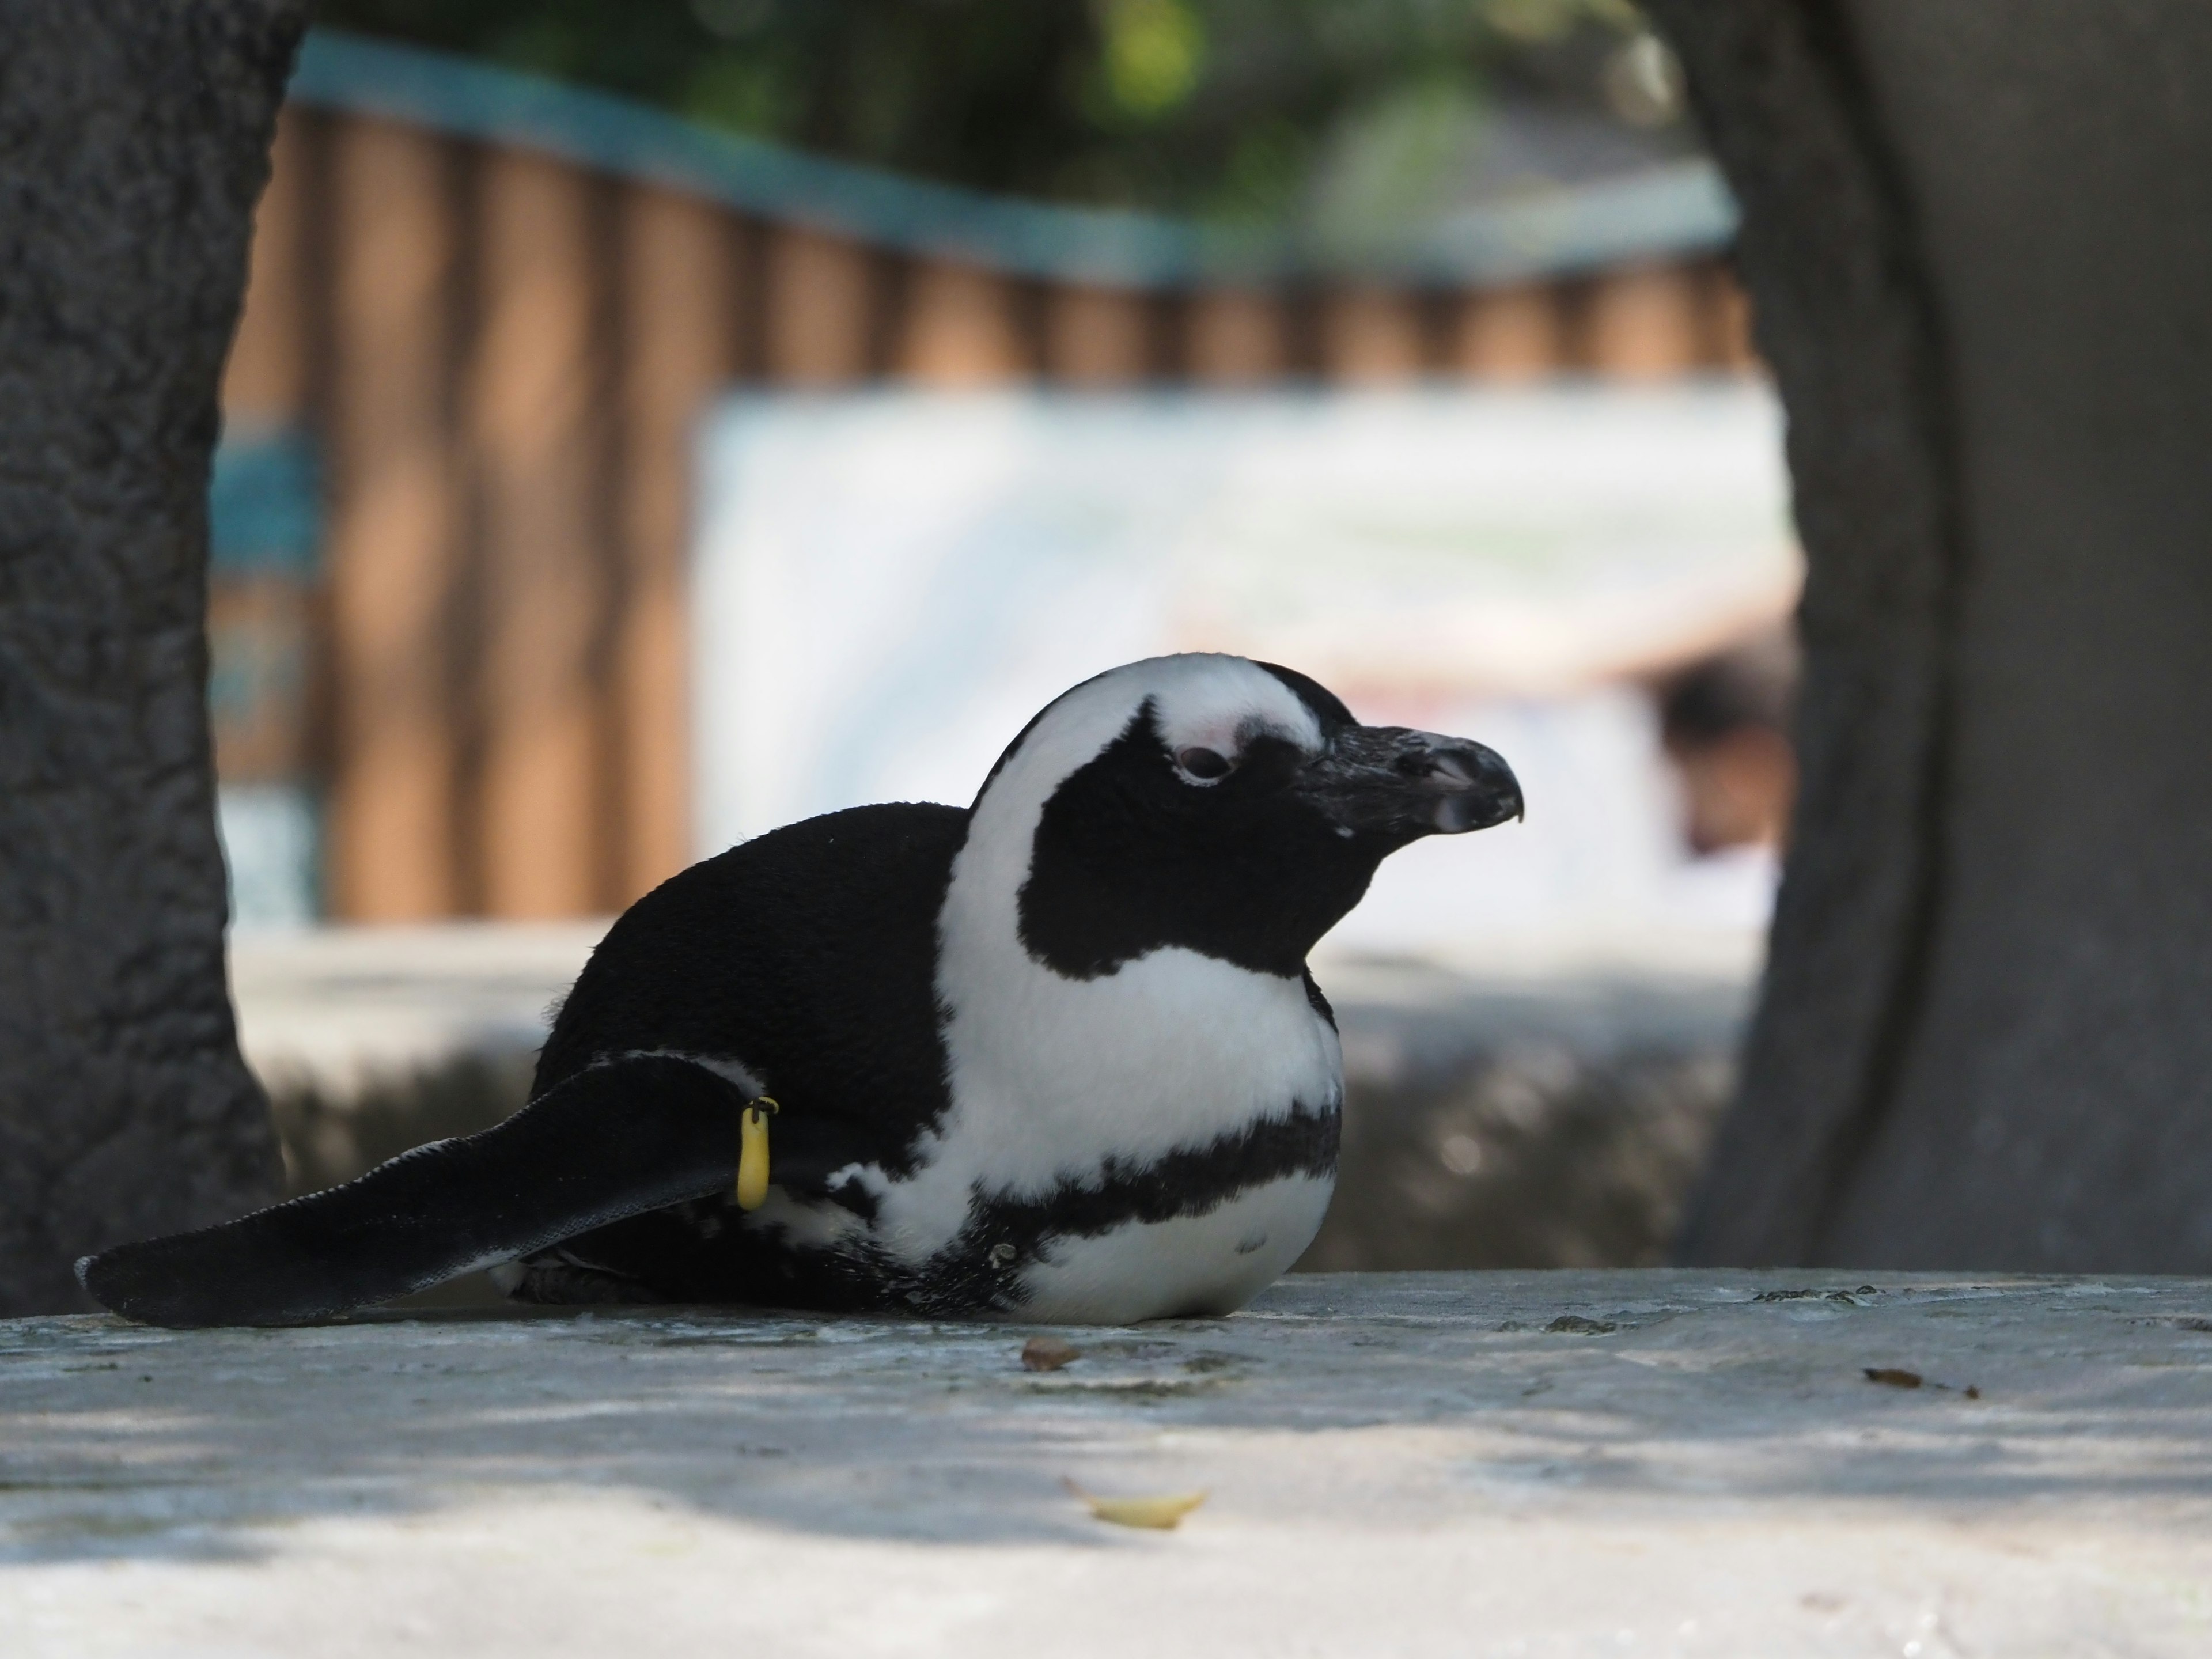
<point>1536,1464</point>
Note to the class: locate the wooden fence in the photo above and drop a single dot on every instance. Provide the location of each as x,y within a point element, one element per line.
<point>499,353</point>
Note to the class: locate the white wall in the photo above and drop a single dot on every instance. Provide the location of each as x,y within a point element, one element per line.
<point>889,584</point>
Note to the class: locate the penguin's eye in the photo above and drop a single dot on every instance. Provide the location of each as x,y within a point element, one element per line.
<point>1204,764</point>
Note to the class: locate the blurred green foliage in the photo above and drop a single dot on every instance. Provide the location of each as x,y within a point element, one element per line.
<point>1237,109</point>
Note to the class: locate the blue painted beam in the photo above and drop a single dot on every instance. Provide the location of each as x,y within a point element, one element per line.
<point>1667,211</point>
<point>264,503</point>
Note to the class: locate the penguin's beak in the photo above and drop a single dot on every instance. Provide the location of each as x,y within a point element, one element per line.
<point>1388,781</point>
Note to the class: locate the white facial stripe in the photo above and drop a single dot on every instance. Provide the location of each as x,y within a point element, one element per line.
<point>1226,732</point>
<point>1198,698</point>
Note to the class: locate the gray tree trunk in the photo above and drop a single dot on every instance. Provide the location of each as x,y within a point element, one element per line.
<point>134,143</point>
<point>1978,240</point>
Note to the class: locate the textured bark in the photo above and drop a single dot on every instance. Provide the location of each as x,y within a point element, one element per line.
<point>1979,239</point>
<point>2052,1108</point>
<point>1841,314</point>
<point>134,143</point>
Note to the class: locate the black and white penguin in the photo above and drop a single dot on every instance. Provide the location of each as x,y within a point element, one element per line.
<point>1055,1057</point>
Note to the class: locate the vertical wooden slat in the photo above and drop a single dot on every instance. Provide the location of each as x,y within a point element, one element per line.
<point>1096,337</point>
<point>265,381</point>
<point>1728,308</point>
<point>1507,334</point>
<point>1236,337</point>
<point>394,526</point>
<point>1370,336</point>
<point>959,327</point>
<point>531,407</point>
<point>818,312</point>
<point>679,318</point>
<point>1641,323</point>
<point>262,645</point>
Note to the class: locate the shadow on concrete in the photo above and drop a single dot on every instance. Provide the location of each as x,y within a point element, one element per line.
<point>1528,1390</point>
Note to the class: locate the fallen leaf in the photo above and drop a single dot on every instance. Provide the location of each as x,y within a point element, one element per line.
<point>1162,1513</point>
<point>1047,1353</point>
<point>1895,1378</point>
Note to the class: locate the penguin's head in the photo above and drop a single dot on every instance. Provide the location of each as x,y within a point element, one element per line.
<point>1229,807</point>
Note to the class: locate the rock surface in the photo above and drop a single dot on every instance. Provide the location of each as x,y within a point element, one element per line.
<point>1530,1463</point>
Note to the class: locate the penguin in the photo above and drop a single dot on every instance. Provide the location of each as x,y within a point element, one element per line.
<point>1056,1056</point>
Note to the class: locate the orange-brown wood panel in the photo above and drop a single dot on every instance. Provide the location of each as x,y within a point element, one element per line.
<point>681,303</point>
<point>1370,336</point>
<point>959,326</point>
<point>264,382</point>
<point>1642,323</point>
<point>393,527</point>
<point>1097,337</point>
<point>1727,310</point>
<point>261,642</point>
<point>818,310</point>
<point>533,408</point>
<point>1512,334</point>
<point>1236,337</point>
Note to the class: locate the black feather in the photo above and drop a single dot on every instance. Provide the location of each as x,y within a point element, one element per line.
<point>609,1143</point>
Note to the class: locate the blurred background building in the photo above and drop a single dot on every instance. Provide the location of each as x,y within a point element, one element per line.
<point>643,414</point>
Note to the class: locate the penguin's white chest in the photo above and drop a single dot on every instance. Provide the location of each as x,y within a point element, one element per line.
<point>1190,1266</point>
<point>1129,1131</point>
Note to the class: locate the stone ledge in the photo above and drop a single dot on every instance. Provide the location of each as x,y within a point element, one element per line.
<point>1531,1463</point>
<point>1546,1107</point>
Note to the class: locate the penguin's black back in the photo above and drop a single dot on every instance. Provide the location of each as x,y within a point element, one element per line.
<point>807,956</point>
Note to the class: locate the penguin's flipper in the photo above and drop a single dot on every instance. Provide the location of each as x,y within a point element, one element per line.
<point>612,1141</point>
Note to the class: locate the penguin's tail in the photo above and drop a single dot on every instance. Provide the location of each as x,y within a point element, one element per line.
<point>613,1141</point>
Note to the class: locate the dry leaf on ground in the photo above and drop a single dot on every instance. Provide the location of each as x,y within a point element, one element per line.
<point>1047,1353</point>
<point>1895,1377</point>
<point>1161,1514</point>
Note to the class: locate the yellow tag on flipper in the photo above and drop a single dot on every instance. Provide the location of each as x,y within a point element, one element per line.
<point>752,1153</point>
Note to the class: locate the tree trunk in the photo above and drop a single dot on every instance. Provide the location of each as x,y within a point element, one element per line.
<point>1979,240</point>
<point>134,142</point>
